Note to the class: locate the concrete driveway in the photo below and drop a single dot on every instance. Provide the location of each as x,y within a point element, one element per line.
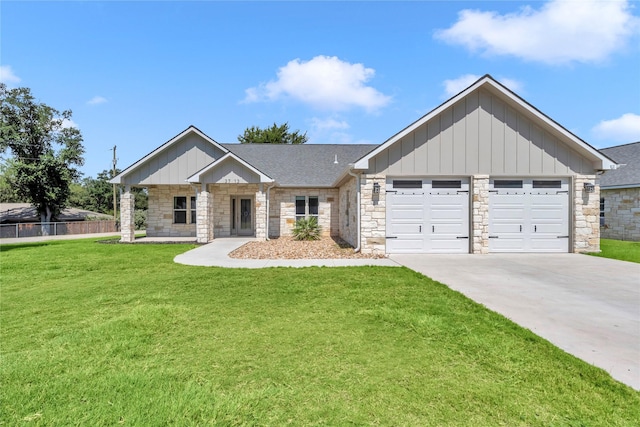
<point>587,306</point>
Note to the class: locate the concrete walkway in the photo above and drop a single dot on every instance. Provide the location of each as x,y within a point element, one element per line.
<point>216,254</point>
<point>587,306</point>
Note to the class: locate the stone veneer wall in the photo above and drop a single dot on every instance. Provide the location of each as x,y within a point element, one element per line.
<point>127,217</point>
<point>282,207</point>
<point>222,206</point>
<point>204,221</point>
<point>586,215</point>
<point>373,215</point>
<point>621,214</point>
<point>348,212</point>
<point>480,215</point>
<point>160,212</point>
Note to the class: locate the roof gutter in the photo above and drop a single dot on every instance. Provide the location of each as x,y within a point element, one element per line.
<point>358,197</point>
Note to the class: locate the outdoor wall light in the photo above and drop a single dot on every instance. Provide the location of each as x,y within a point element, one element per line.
<point>589,187</point>
<point>376,188</point>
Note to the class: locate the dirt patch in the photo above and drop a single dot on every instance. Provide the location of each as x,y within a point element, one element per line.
<point>287,248</point>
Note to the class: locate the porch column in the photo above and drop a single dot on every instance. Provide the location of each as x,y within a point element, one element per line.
<point>261,214</point>
<point>127,217</point>
<point>204,217</point>
<point>480,217</point>
<point>586,215</point>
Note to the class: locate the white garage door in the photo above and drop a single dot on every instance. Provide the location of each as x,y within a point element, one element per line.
<point>427,215</point>
<point>529,215</point>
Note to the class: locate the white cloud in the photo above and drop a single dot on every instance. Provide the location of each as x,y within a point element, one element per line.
<point>624,129</point>
<point>7,75</point>
<point>96,100</point>
<point>323,82</point>
<point>328,124</point>
<point>68,123</point>
<point>559,32</point>
<point>454,86</point>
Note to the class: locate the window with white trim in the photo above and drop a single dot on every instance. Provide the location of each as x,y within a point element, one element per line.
<point>181,211</point>
<point>306,207</point>
<point>602,206</point>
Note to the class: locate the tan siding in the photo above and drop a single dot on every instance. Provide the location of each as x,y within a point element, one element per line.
<point>420,153</point>
<point>485,140</point>
<point>230,172</point>
<point>480,134</point>
<point>176,163</point>
<point>459,152</point>
<point>446,142</point>
<point>472,134</point>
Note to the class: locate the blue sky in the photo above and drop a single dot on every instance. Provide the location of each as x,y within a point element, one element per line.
<point>135,74</point>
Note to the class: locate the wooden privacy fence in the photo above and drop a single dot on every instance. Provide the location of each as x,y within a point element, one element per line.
<point>34,229</point>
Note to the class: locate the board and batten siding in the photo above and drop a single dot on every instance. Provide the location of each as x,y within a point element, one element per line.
<point>230,171</point>
<point>480,134</point>
<point>176,163</point>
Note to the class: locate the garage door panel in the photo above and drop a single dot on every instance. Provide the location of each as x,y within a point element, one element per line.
<point>398,229</point>
<point>536,219</point>
<point>440,213</point>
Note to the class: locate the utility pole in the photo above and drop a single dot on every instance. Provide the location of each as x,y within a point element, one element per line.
<point>113,173</point>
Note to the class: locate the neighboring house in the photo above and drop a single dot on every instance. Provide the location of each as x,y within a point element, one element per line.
<point>483,172</point>
<point>12,213</point>
<point>620,194</point>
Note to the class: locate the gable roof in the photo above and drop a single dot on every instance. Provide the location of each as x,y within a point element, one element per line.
<point>190,130</point>
<point>628,173</point>
<point>487,82</point>
<point>197,177</point>
<point>301,165</point>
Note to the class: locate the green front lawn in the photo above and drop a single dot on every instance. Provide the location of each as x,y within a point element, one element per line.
<point>619,249</point>
<point>95,334</point>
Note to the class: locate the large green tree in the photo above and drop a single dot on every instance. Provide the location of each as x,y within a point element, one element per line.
<point>272,135</point>
<point>46,151</point>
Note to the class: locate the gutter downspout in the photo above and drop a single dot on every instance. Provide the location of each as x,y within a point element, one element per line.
<point>266,227</point>
<point>357,177</point>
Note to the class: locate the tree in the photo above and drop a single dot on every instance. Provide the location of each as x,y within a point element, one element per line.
<point>46,151</point>
<point>8,193</point>
<point>273,135</point>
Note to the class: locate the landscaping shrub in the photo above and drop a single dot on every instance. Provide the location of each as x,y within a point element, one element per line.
<point>307,229</point>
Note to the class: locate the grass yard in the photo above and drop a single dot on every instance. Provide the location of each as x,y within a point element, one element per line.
<point>619,249</point>
<point>97,334</point>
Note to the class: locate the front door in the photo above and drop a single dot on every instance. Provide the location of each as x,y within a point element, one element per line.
<point>242,216</point>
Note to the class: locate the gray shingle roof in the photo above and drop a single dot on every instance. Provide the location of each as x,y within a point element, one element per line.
<point>627,175</point>
<point>303,165</point>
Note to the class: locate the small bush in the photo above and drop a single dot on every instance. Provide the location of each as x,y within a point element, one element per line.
<point>307,229</point>
<point>140,219</point>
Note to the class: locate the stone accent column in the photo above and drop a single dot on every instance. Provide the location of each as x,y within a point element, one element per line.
<point>586,215</point>
<point>127,218</point>
<point>480,216</point>
<point>204,217</point>
<point>261,214</point>
<point>373,213</point>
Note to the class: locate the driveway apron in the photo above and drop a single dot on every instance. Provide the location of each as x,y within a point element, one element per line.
<point>587,306</point>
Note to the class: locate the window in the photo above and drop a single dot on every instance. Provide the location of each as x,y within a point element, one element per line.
<point>507,183</point>
<point>403,183</point>
<point>193,210</point>
<point>307,206</point>
<point>180,210</point>
<point>347,207</point>
<point>547,184</point>
<point>446,184</point>
<point>602,211</point>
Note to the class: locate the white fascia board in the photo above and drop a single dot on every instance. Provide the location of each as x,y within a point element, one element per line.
<point>191,129</point>
<point>196,177</point>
